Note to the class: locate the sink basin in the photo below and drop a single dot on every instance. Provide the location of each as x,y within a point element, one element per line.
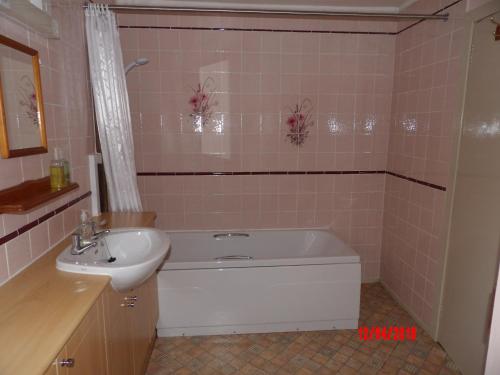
<point>128,255</point>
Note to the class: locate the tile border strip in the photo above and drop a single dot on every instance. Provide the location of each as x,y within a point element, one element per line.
<point>291,173</point>
<point>420,182</point>
<point>58,210</point>
<point>255,173</point>
<point>40,220</point>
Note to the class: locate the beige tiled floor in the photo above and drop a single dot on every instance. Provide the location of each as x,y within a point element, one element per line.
<point>306,353</point>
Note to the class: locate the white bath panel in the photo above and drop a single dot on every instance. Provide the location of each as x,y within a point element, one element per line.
<point>259,299</point>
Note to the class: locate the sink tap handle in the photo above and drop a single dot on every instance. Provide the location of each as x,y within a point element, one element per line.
<point>98,235</point>
<point>76,239</point>
<point>77,246</point>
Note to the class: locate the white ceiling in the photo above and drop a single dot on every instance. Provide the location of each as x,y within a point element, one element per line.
<point>310,5</point>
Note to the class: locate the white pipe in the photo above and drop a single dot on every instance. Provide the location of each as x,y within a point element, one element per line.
<point>94,159</point>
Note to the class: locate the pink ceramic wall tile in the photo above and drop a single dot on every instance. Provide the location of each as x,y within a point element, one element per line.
<point>56,229</point>
<point>411,243</point>
<point>269,84</point>
<point>423,129</point>
<point>349,79</point>
<point>244,202</point>
<point>18,254</point>
<point>11,172</point>
<point>69,126</point>
<point>423,64</point>
<point>71,217</point>
<point>39,240</point>
<point>4,272</point>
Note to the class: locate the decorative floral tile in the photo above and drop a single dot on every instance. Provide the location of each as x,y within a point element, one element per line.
<point>298,121</point>
<point>202,102</point>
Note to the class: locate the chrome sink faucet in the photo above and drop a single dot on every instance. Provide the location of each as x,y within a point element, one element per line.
<point>86,237</point>
<point>97,235</point>
<point>80,246</point>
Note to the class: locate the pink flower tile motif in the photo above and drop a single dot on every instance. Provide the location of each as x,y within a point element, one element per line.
<point>299,120</point>
<point>202,102</point>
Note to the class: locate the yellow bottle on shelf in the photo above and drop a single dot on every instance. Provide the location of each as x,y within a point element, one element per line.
<point>65,164</point>
<point>56,170</point>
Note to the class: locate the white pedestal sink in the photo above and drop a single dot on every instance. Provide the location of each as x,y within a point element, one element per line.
<point>137,253</point>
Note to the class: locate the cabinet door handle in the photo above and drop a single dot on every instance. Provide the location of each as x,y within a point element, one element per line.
<point>69,362</point>
<point>128,304</point>
<point>130,298</point>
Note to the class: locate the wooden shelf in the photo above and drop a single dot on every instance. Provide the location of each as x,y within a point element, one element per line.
<point>30,194</point>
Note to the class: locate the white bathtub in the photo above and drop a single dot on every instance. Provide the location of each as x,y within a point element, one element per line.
<point>258,281</point>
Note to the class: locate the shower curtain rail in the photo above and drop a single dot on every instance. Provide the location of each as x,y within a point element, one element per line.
<point>409,16</point>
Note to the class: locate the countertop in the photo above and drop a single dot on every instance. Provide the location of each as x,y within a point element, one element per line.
<point>41,307</point>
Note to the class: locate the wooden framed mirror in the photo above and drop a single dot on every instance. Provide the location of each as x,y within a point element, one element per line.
<point>22,120</point>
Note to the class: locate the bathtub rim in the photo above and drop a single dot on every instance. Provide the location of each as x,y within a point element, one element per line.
<point>353,258</point>
<point>326,229</point>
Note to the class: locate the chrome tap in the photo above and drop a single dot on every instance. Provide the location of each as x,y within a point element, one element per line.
<point>97,235</point>
<point>80,246</point>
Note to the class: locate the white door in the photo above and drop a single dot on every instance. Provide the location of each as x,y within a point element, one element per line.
<point>474,244</point>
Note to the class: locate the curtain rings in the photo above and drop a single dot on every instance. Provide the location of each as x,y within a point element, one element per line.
<point>98,9</point>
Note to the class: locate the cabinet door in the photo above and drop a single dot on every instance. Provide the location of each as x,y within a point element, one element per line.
<point>130,321</point>
<point>86,347</point>
<point>155,307</point>
<point>118,333</point>
<point>143,324</point>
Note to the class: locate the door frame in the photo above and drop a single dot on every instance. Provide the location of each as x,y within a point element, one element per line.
<point>471,19</point>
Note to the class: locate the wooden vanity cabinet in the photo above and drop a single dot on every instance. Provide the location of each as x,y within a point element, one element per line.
<point>84,353</point>
<point>115,337</point>
<point>143,323</point>
<point>118,333</point>
<point>130,323</point>
<point>131,328</point>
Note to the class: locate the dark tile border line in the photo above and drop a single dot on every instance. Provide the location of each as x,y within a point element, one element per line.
<point>428,184</point>
<point>40,220</point>
<point>273,173</point>
<point>47,216</point>
<point>420,21</point>
<point>261,30</point>
<point>259,173</point>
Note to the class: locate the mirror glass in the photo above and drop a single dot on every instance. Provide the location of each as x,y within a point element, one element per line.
<point>22,125</point>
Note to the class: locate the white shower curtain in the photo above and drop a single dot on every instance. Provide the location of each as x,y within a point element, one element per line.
<point>112,108</point>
